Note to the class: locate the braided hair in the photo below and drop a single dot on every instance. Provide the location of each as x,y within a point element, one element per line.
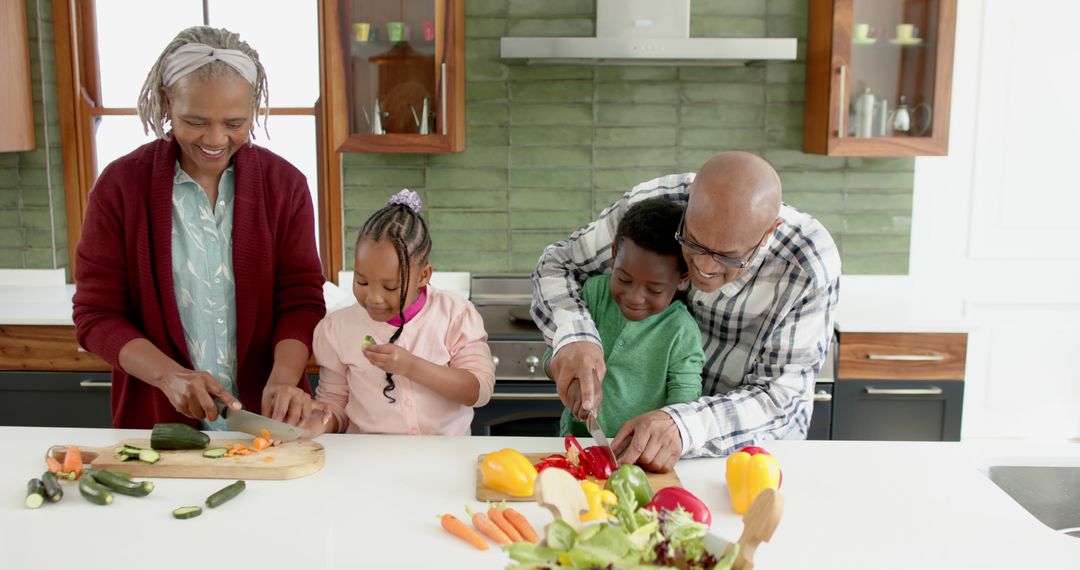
<point>400,221</point>
<point>151,103</point>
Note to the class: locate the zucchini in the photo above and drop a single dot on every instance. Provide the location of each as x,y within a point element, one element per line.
<point>177,436</point>
<point>53,492</point>
<point>186,512</point>
<point>215,452</point>
<point>225,495</point>
<point>94,492</point>
<point>368,341</point>
<point>128,452</point>
<point>149,456</point>
<point>116,482</point>
<point>35,493</point>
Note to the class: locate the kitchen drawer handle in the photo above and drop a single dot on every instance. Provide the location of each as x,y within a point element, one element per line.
<point>906,357</point>
<point>96,384</point>
<point>931,391</point>
<point>842,104</point>
<point>526,396</point>
<point>822,396</point>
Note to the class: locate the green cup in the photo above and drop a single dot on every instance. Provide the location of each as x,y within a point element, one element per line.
<point>395,31</point>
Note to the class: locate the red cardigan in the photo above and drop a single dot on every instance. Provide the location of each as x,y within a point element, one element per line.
<point>123,272</point>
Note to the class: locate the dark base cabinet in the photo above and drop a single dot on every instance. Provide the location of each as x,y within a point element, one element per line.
<point>898,410</point>
<point>55,399</point>
<point>821,420</point>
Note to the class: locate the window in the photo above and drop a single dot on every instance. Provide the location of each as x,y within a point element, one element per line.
<point>105,49</point>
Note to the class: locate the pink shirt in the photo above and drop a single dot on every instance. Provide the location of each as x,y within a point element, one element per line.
<point>447,331</point>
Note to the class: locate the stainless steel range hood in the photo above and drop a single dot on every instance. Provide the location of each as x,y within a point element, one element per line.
<point>645,32</point>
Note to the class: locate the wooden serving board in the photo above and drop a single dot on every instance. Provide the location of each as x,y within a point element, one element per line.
<point>657,480</point>
<point>290,460</point>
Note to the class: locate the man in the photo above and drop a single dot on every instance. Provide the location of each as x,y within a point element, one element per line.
<point>765,278</point>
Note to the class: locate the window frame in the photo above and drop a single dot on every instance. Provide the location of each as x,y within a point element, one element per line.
<point>78,85</point>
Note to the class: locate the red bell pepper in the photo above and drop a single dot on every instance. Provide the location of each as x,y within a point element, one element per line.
<point>671,498</point>
<point>559,461</point>
<point>595,459</point>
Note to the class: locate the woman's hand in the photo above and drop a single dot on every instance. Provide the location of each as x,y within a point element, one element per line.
<point>321,421</point>
<point>391,358</point>
<point>286,403</point>
<point>192,393</point>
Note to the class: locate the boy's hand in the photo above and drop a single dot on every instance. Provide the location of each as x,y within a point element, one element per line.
<point>390,358</point>
<point>319,421</point>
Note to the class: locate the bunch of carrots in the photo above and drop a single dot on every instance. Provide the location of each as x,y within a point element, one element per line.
<point>502,524</point>
<point>72,466</point>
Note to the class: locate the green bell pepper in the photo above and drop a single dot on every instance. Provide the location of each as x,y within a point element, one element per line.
<point>636,480</point>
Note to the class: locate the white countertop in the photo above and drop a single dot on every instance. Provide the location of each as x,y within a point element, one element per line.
<point>850,505</point>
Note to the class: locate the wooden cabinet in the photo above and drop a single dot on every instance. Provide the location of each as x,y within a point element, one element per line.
<point>393,75</point>
<point>879,77</point>
<point>16,100</point>
<point>892,386</point>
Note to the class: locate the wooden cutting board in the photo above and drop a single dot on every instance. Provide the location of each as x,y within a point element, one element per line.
<point>657,480</point>
<point>290,460</point>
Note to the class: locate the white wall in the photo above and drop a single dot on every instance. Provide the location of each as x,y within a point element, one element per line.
<point>995,240</point>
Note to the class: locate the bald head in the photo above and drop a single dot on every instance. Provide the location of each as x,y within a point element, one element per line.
<point>734,201</point>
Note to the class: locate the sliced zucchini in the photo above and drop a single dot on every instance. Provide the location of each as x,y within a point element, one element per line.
<point>53,492</point>
<point>223,496</point>
<point>215,452</point>
<point>149,456</point>
<point>92,491</point>
<point>186,512</point>
<point>116,482</point>
<point>177,436</point>
<point>35,493</point>
<point>368,341</point>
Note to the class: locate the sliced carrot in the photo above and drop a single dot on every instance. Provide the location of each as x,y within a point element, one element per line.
<point>260,443</point>
<point>454,526</point>
<point>72,461</point>
<point>229,446</point>
<point>484,525</point>
<point>521,524</point>
<point>264,433</point>
<point>54,465</point>
<point>500,521</point>
<point>268,458</point>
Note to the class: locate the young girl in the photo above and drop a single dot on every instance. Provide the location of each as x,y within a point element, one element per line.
<point>430,363</point>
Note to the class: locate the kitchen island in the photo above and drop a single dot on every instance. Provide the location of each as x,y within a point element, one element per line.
<point>375,505</point>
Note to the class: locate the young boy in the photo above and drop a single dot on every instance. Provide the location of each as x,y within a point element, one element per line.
<point>652,345</point>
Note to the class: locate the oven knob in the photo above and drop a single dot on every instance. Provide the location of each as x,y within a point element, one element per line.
<point>532,362</point>
<point>495,360</point>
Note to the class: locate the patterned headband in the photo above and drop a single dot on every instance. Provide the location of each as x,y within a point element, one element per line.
<point>187,58</point>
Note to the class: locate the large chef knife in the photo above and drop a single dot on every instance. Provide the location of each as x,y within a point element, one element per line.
<point>601,439</point>
<point>252,423</point>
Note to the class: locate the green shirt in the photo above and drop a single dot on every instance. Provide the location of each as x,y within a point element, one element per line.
<point>202,268</point>
<point>650,363</point>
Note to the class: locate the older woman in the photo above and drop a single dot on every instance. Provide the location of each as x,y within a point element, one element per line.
<point>197,273</point>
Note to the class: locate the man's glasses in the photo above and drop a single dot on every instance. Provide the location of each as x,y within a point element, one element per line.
<point>698,249</point>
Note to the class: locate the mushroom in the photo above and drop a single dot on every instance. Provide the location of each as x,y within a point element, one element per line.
<point>561,494</point>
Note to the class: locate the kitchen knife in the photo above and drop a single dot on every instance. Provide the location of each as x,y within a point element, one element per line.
<point>598,435</point>
<point>252,423</point>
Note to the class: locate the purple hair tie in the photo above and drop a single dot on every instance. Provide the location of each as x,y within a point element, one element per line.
<point>407,198</point>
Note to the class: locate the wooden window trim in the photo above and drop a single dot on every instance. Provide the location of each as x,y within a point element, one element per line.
<point>78,85</point>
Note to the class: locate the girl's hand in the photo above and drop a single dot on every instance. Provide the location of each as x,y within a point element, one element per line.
<point>319,421</point>
<point>390,358</point>
<point>286,403</point>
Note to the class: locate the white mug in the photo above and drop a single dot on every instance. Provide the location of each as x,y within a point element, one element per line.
<point>861,31</point>
<point>905,31</point>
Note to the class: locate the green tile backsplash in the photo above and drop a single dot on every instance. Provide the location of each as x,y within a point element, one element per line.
<point>548,147</point>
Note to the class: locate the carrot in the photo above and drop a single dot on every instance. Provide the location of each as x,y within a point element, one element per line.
<point>72,461</point>
<point>54,465</point>
<point>500,521</point>
<point>454,526</point>
<point>484,525</point>
<point>268,458</point>
<point>260,443</point>
<point>265,434</point>
<point>521,524</point>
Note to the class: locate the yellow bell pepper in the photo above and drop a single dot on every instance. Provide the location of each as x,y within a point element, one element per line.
<point>597,498</point>
<point>749,473</point>
<point>508,471</point>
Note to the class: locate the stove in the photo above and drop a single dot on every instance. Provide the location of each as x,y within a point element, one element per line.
<point>525,401</point>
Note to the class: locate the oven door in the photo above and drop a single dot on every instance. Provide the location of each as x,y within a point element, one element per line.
<point>520,408</point>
